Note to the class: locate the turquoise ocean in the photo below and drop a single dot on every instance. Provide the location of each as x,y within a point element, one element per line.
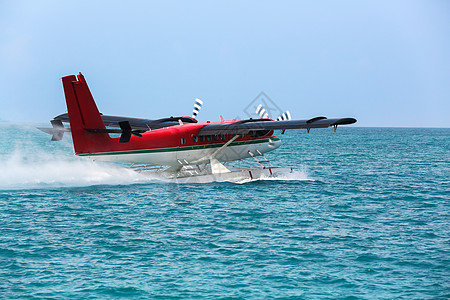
<point>365,215</point>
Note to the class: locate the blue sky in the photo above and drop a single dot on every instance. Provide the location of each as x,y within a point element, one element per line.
<point>387,63</point>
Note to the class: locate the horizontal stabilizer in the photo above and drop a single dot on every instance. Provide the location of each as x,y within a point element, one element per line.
<point>137,123</point>
<point>125,130</point>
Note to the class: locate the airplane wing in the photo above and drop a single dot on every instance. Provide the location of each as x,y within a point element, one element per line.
<point>125,125</point>
<point>136,123</point>
<point>252,125</point>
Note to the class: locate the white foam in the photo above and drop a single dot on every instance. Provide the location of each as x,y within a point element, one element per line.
<point>40,169</point>
<point>43,164</point>
<point>296,175</point>
<point>31,167</point>
<point>21,170</point>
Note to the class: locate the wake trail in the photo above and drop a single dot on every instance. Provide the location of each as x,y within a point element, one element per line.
<point>29,165</point>
<point>296,175</point>
<point>39,169</point>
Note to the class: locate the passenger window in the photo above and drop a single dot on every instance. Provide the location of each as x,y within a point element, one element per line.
<point>223,137</point>
<point>195,139</point>
<point>209,138</point>
<point>216,137</point>
<point>202,138</point>
<point>183,141</point>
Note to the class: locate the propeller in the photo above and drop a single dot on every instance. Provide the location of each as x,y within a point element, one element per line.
<point>286,116</point>
<point>197,106</point>
<point>261,111</point>
<point>57,130</point>
<point>127,132</point>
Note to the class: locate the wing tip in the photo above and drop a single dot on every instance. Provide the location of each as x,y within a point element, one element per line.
<point>344,121</point>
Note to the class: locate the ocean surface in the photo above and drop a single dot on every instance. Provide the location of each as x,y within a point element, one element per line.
<point>365,216</point>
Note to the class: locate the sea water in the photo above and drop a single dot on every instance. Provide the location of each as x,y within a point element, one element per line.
<point>365,215</point>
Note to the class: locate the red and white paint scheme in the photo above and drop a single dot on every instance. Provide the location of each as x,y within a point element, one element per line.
<point>172,142</point>
<point>170,146</point>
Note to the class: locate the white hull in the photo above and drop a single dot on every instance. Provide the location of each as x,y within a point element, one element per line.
<point>184,156</point>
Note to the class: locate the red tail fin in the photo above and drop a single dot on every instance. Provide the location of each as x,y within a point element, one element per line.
<point>83,114</point>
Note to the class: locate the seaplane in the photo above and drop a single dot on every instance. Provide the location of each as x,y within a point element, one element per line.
<point>177,148</point>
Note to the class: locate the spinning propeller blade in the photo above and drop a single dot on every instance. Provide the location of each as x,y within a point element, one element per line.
<point>127,132</point>
<point>57,130</point>
<point>286,116</point>
<point>261,111</point>
<point>197,106</point>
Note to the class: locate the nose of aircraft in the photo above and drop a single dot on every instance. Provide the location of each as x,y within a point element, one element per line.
<point>274,143</point>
